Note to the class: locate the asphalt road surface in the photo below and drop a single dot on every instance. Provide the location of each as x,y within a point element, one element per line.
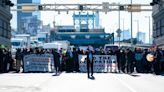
<point>78,82</point>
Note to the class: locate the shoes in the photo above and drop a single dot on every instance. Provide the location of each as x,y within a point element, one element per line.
<point>92,77</point>
<point>55,74</point>
<point>17,71</point>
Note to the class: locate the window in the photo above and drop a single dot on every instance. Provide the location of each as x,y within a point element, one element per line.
<point>5,25</point>
<point>4,29</point>
<point>1,31</point>
<point>162,30</point>
<point>158,32</point>
<point>158,24</point>
<point>5,33</point>
<point>2,3</point>
<point>0,23</point>
<point>9,27</point>
<point>162,22</point>
<point>154,34</point>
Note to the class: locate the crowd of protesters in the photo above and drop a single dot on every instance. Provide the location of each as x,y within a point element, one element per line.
<point>128,60</point>
<point>5,60</point>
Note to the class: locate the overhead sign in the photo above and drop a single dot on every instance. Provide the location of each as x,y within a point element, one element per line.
<point>105,6</point>
<point>134,8</point>
<point>29,7</point>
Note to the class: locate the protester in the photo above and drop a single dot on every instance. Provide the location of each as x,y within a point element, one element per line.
<point>138,60</point>
<point>102,52</point>
<point>69,61</point>
<point>75,60</point>
<point>122,60</point>
<point>118,55</point>
<point>147,65</point>
<point>56,56</point>
<point>156,63</point>
<point>129,61</point>
<point>18,58</point>
<point>90,59</point>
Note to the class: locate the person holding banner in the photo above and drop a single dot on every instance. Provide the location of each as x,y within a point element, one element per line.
<point>90,59</point>
<point>122,60</point>
<point>75,60</point>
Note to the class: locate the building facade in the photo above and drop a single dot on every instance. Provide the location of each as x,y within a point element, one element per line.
<point>96,38</point>
<point>125,35</point>
<point>141,37</point>
<point>30,25</point>
<point>85,31</point>
<point>5,27</point>
<point>158,23</point>
<point>86,20</point>
<point>23,16</point>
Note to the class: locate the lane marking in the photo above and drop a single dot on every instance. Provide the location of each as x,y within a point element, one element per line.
<point>125,84</point>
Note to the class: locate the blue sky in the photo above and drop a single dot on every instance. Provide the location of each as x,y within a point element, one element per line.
<point>109,21</point>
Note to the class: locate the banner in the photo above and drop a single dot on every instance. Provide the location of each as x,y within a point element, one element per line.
<point>102,63</point>
<point>38,63</point>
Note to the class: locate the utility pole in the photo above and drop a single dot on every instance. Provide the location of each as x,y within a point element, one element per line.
<point>149,29</point>
<point>119,27</point>
<point>131,27</point>
<point>138,31</point>
<point>121,8</point>
<point>123,30</point>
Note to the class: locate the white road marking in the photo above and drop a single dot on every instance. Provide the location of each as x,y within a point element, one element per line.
<point>125,84</point>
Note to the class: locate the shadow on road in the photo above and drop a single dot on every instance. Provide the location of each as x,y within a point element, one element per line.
<point>92,78</point>
<point>57,74</point>
<point>134,75</point>
<point>162,74</point>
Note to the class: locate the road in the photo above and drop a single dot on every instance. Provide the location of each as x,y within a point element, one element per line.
<point>78,82</point>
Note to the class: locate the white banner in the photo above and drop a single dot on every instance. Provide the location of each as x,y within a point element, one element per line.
<point>102,63</point>
<point>38,63</point>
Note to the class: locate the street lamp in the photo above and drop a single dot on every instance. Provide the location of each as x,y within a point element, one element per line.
<point>137,29</point>
<point>149,27</point>
<point>121,8</point>
<point>123,29</point>
<point>119,31</point>
<point>131,27</point>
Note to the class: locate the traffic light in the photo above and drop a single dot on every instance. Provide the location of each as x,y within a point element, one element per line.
<point>40,7</point>
<point>152,4</point>
<point>8,2</point>
<point>121,7</point>
<point>81,7</point>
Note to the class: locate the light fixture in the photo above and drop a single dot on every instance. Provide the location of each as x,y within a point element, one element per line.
<point>67,12</point>
<point>58,12</point>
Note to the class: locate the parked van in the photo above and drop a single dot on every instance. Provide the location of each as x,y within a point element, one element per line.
<point>110,46</point>
<point>17,43</point>
<point>57,45</point>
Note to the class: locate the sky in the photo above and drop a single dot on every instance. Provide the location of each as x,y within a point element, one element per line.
<point>108,21</point>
